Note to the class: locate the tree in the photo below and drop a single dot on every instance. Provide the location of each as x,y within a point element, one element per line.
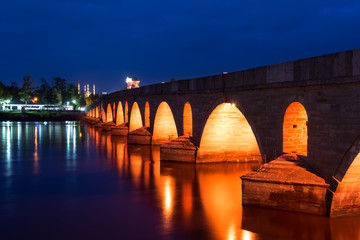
<point>91,98</point>
<point>71,94</point>
<point>26,90</point>
<point>60,84</point>
<point>4,93</point>
<point>44,91</point>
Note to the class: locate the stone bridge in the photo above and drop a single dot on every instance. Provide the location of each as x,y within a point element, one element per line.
<point>304,113</point>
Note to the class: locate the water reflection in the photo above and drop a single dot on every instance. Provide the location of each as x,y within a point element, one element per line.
<point>72,175</point>
<point>36,149</point>
<point>206,199</point>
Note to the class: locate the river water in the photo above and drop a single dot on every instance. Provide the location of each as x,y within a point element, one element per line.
<point>72,181</point>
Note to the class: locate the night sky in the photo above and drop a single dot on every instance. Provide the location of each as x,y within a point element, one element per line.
<point>103,41</point>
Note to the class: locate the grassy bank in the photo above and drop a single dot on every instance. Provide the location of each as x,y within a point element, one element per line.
<point>41,116</point>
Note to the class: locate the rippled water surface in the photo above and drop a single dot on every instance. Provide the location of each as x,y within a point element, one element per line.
<point>71,181</point>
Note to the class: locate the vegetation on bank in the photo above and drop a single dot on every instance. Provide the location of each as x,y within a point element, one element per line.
<point>40,116</point>
<point>59,92</point>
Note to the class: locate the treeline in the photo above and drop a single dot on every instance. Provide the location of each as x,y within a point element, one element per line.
<point>58,92</point>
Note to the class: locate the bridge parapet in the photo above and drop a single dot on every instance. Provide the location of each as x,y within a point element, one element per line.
<point>316,70</point>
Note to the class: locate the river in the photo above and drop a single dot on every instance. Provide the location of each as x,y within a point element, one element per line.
<point>71,181</point>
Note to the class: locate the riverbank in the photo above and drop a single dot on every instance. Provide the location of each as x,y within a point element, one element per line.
<point>32,116</point>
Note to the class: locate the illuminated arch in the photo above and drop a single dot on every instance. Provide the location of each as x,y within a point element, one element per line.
<point>227,136</point>
<point>164,125</point>
<point>97,112</point>
<point>295,134</point>
<point>346,199</point>
<point>103,114</point>
<point>109,114</point>
<point>187,119</point>
<point>126,115</point>
<point>135,118</point>
<point>147,114</point>
<point>119,114</point>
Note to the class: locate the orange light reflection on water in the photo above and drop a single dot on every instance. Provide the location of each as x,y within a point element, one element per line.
<point>36,149</point>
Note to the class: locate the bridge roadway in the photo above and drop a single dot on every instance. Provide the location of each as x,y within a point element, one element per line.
<point>308,109</point>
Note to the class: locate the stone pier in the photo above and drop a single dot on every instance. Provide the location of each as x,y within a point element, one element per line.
<point>180,149</point>
<point>286,183</point>
<point>139,136</point>
<point>120,130</point>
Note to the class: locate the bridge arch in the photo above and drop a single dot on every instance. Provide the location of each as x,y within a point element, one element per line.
<point>126,112</point>
<point>103,114</point>
<point>164,125</point>
<point>345,187</point>
<point>97,115</point>
<point>119,114</point>
<point>135,117</point>
<point>109,113</point>
<point>187,119</point>
<point>227,136</point>
<point>147,115</point>
<point>295,130</point>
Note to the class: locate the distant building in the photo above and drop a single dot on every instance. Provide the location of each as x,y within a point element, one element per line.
<point>87,92</point>
<point>132,82</point>
<point>18,106</point>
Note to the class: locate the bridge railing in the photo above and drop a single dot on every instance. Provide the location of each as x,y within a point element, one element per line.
<point>324,69</point>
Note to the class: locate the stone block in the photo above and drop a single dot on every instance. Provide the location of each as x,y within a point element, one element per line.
<point>285,183</point>
<point>179,150</point>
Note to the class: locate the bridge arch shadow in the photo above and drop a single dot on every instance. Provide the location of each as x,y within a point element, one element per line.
<point>228,137</point>
<point>135,117</point>
<point>109,113</point>
<point>295,130</point>
<point>164,125</point>
<point>343,196</point>
<point>119,114</point>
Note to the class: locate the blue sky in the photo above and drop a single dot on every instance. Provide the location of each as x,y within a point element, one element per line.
<point>105,41</point>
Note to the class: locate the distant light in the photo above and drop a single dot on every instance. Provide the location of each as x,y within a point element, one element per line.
<point>67,103</point>
<point>82,109</point>
<point>233,104</point>
<point>80,134</point>
<point>225,73</point>
<point>74,101</point>
<point>45,123</point>
<point>128,79</point>
<point>35,99</point>
<point>162,82</point>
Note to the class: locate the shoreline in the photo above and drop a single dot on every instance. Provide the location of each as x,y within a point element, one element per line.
<point>33,116</point>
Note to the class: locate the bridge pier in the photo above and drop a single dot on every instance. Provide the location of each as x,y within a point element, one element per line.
<point>107,126</point>
<point>140,136</point>
<point>121,130</point>
<point>180,149</point>
<point>286,183</point>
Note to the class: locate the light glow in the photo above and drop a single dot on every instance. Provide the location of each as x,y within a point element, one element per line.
<point>164,125</point>
<point>227,136</point>
<point>295,134</point>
